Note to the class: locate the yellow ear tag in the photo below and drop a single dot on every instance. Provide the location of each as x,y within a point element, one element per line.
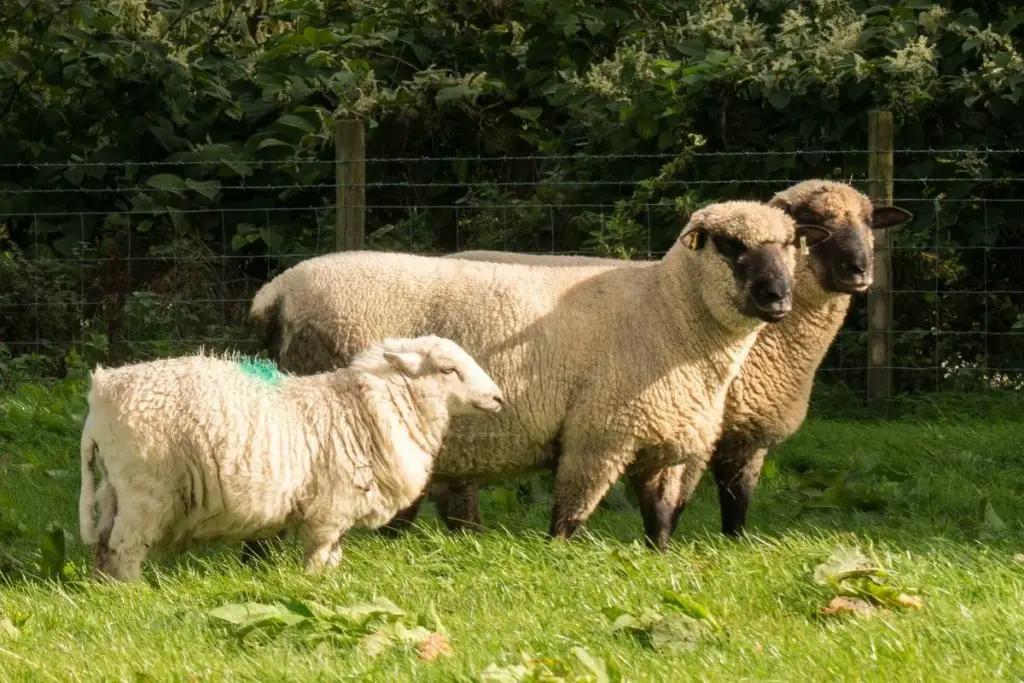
<point>803,245</point>
<point>691,240</point>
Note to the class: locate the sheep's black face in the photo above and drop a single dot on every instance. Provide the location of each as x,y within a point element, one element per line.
<point>844,262</point>
<point>762,274</point>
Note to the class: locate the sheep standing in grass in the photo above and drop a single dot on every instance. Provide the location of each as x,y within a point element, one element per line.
<point>203,448</point>
<point>603,362</point>
<point>768,400</point>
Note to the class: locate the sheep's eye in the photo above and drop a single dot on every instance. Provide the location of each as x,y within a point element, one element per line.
<point>729,247</point>
<point>447,371</point>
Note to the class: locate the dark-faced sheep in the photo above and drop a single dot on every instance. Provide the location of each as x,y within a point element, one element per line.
<point>607,363</point>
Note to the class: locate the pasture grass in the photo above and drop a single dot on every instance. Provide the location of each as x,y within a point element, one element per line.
<point>934,496</point>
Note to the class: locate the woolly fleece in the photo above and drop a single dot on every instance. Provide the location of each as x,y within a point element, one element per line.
<point>197,448</point>
<point>768,400</point>
<point>607,361</point>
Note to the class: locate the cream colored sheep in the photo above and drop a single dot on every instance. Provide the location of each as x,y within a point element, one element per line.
<point>202,448</point>
<point>768,400</point>
<point>604,362</point>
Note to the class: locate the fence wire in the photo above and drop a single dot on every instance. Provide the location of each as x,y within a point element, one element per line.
<point>101,263</point>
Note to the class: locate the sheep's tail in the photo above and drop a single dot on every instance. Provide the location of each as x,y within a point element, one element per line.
<point>264,317</point>
<point>87,498</point>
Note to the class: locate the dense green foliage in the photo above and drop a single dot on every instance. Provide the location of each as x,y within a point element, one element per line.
<point>619,118</point>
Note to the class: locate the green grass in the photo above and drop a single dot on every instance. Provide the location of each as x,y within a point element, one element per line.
<point>912,493</point>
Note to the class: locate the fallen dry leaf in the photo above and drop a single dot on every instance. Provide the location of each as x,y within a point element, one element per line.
<point>433,646</point>
<point>758,647</point>
<point>1019,557</point>
<point>840,606</point>
<point>905,600</point>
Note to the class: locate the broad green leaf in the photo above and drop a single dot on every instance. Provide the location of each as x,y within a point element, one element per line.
<point>677,632</point>
<point>271,238</point>
<point>842,564</point>
<point>272,142</point>
<point>690,606</point>
<point>361,613</point>
<point>75,174</point>
<point>207,188</point>
<point>293,121</point>
<point>528,113</point>
<point>454,92</point>
<point>237,613</point>
<point>779,98</point>
<point>166,181</point>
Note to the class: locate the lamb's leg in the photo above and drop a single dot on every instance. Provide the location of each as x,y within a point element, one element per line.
<point>585,472</point>
<point>737,470</point>
<point>457,505</point>
<point>106,500</point>
<point>322,547</point>
<point>139,523</point>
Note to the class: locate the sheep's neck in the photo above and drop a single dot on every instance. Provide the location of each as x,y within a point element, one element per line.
<point>408,428</point>
<point>424,417</point>
<point>808,330</point>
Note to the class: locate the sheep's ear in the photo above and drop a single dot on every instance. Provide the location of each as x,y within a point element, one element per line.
<point>883,217</point>
<point>406,363</point>
<point>780,203</point>
<point>812,233</point>
<point>694,238</point>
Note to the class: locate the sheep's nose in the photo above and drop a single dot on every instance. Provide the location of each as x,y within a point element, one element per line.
<point>499,400</point>
<point>771,298</point>
<point>855,267</point>
<point>768,292</point>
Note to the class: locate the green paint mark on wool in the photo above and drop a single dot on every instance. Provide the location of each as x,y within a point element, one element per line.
<point>260,368</point>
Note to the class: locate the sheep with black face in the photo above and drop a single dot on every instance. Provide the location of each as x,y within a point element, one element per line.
<point>767,402</point>
<point>602,364</point>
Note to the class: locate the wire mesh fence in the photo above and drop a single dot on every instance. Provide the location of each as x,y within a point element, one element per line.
<point>110,261</point>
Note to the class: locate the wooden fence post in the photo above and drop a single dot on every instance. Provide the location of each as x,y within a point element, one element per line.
<point>880,189</point>
<point>350,185</point>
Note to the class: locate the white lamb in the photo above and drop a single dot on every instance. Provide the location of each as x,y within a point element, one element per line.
<point>203,448</point>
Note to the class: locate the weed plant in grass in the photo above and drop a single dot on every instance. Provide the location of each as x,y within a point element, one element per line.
<point>931,500</point>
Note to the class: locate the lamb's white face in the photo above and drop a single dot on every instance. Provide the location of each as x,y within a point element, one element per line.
<point>460,379</point>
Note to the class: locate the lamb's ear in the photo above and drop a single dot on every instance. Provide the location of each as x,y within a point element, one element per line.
<point>406,363</point>
<point>780,203</point>
<point>812,233</point>
<point>889,217</point>
<point>694,238</point>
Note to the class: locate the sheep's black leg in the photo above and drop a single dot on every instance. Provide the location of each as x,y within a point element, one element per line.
<point>458,505</point>
<point>660,503</point>
<point>737,470</point>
